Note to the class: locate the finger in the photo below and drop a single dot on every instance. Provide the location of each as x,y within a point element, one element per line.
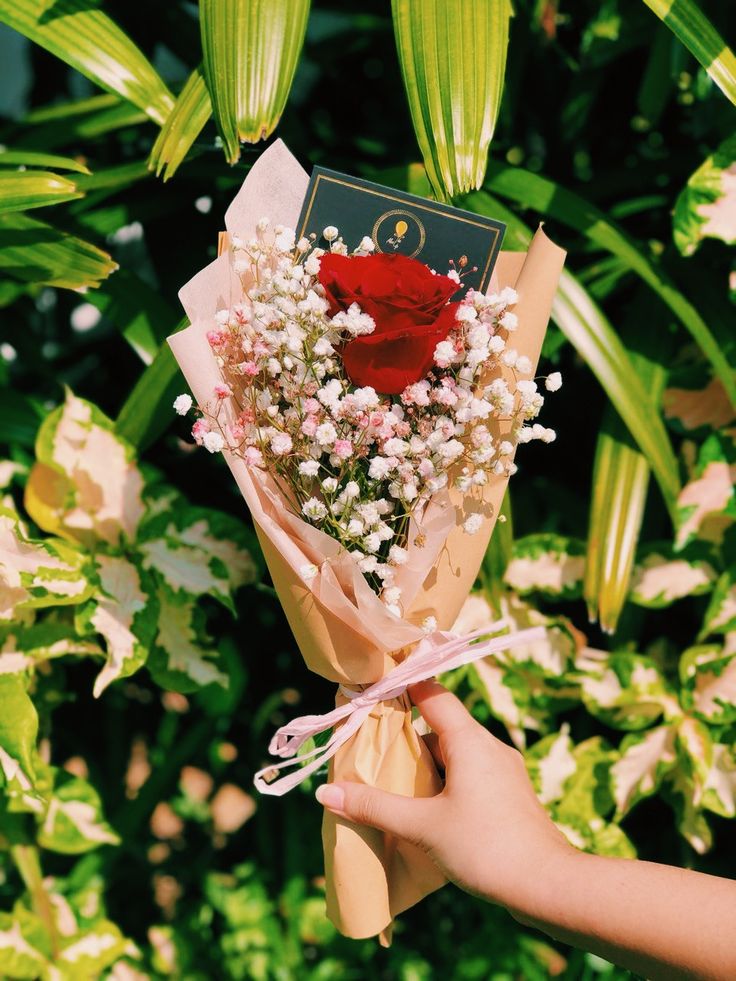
<point>405,817</point>
<point>444,711</point>
<point>432,742</point>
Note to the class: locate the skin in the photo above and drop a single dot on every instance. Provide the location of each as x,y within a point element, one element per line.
<point>490,835</point>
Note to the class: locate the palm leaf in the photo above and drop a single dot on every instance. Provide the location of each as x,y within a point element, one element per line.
<point>453,58</point>
<point>25,189</point>
<point>621,480</point>
<point>34,252</point>
<point>33,158</point>
<point>548,198</point>
<point>690,25</point>
<point>250,50</point>
<point>192,110</point>
<point>585,326</point>
<point>88,40</point>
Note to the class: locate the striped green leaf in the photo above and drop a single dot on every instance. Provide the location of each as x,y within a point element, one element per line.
<point>68,123</point>
<point>453,58</point>
<point>690,25</point>
<point>147,412</point>
<point>621,481</point>
<point>24,189</point>
<point>586,327</point>
<point>33,158</point>
<point>548,198</point>
<point>85,37</point>
<point>34,252</point>
<point>190,114</point>
<point>250,50</point>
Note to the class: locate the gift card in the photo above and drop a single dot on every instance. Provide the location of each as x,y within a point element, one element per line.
<point>401,223</point>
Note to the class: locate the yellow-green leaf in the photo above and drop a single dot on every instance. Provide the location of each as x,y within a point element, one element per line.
<point>453,58</point>
<point>85,37</point>
<point>185,122</point>
<point>24,189</point>
<point>250,50</point>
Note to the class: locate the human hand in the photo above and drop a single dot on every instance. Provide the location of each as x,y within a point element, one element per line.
<point>486,830</point>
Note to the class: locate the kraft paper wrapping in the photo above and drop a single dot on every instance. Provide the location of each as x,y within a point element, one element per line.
<point>343,630</point>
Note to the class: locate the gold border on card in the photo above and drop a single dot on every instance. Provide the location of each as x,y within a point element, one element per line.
<point>408,206</point>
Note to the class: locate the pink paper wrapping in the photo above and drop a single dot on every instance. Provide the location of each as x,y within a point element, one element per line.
<point>343,630</point>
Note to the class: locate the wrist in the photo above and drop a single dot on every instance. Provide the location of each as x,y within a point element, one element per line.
<point>551,881</point>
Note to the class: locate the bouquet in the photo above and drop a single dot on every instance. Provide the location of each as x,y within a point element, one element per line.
<point>369,408</point>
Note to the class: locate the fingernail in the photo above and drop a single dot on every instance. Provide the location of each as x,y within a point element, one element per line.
<point>331,796</point>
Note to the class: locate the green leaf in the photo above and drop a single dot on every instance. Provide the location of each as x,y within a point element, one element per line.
<point>453,59</point>
<point>546,563</point>
<point>147,412</point>
<point>690,25</point>
<point>24,945</point>
<point>185,122</point>
<point>251,49</point>
<point>33,158</point>
<point>552,200</point>
<point>705,208</point>
<point>18,733</point>
<point>139,312</point>
<point>65,123</point>
<point>23,647</point>
<point>25,189</point>
<point>87,39</point>
<point>590,333</point>
<point>35,252</point>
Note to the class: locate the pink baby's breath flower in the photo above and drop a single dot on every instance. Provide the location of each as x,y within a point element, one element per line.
<point>223,391</point>
<point>343,449</point>
<point>199,430</point>
<point>253,457</point>
<point>309,426</point>
<point>311,405</point>
<point>216,338</point>
<point>249,369</point>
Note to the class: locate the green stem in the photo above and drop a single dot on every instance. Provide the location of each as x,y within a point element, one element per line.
<point>28,863</point>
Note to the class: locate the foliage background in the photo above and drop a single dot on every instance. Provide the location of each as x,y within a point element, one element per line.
<point>601,99</point>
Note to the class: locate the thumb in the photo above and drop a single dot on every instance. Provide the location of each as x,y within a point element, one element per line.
<point>405,817</point>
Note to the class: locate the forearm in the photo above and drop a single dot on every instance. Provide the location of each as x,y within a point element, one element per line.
<point>662,922</point>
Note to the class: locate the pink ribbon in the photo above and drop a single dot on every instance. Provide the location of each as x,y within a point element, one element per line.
<point>437,652</point>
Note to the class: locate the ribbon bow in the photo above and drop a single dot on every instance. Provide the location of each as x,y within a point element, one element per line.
<point>437,652</point>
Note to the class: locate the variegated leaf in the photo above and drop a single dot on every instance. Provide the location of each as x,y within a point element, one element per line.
<point>551,763</point>
<point>719,791</point>
<point>19,764</point>
<point>86,485</point>
<point>706,506</point>
<point>644,759</point>
<point>706,208</point>
<point>627,691</point>
<point>586,794</point>
<point>125,613</point>
<point>24,945</point>
<point>73,821</point>
<point>660,578</point>
<point>23,647</point>
<point>549,564</point>
<point>88,954</point>
<point>689,409</point>
<point>199,552</point>
<point>720,617</point>
<point>178,660</point>
<point>495,683</point>
<point>708,675</point>
<point>36,573</point>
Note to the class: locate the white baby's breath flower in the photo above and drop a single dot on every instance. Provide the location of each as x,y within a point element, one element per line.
<point>309,468</point>
<point>314,509</point>
<point>367,244</point>
<point>182,404</point>
<point>308,571</point>
<point>398,555</point>
<point>429,625</point>
<point>330,233</point>
<point>523,365</point>
<point>213,442</point>
<point>553,382</point>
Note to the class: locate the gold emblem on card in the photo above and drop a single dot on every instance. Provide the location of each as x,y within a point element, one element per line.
<point>399,231</point>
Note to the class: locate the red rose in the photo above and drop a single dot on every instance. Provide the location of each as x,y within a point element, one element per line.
<point>409,305</point>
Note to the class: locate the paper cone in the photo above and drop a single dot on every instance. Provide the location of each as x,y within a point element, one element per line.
<point>343,630</point>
